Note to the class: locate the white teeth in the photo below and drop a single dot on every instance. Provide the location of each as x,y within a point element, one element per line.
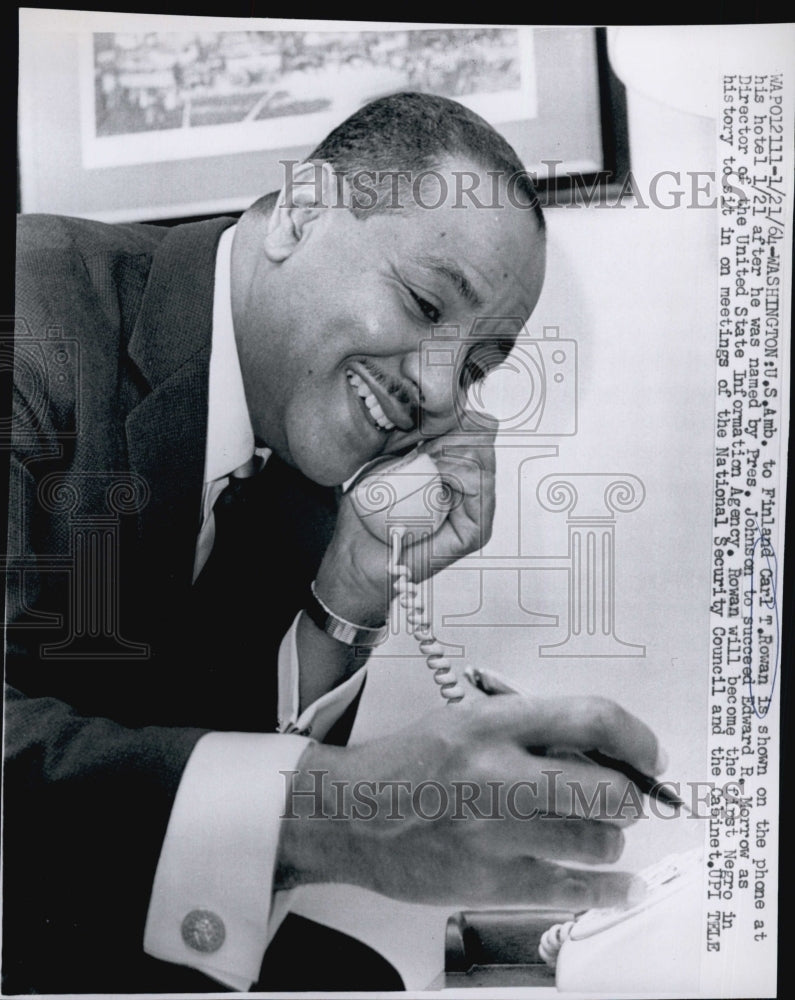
<point>370,401</point>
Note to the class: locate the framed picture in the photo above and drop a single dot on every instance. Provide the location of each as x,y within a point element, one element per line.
<point>153,96</point>
<point>164,117</point>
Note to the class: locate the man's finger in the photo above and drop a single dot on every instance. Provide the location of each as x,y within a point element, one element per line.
<point>454,454</point>
<point>559,786</point>
<point>554,839</point>
<point>531,881</point>
<point>577,723</point>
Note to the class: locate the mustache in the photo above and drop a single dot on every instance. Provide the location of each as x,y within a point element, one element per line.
<point>395,387</point>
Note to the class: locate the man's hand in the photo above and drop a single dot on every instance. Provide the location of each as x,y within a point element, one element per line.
<point>462,808</point>
<point>354,578</point>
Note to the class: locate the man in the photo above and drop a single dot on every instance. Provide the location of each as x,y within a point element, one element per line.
<point>152,663</point>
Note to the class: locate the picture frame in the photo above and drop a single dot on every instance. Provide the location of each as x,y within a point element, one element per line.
<point>96,142</point>
<point>152,96</point>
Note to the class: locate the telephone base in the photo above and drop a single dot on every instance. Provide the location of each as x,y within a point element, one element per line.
<point>496,977</point>
<point>497,948</point>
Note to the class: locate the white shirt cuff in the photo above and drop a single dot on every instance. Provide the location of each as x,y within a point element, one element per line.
<point>218,856</point>
<point>320,716</point>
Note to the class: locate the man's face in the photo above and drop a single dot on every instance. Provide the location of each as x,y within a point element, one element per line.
<point>329,337</point>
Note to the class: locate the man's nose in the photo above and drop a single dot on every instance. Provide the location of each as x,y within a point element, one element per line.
<point>433,369</point>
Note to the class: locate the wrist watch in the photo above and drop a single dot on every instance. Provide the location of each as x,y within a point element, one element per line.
<point>340,628</point>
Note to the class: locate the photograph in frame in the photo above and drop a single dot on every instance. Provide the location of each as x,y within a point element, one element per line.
<point>281,88</point>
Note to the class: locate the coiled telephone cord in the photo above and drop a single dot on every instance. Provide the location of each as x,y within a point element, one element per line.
<point>419,625</point>
<point>552,940</point>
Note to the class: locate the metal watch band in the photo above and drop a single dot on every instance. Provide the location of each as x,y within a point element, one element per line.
<point>339,628</point>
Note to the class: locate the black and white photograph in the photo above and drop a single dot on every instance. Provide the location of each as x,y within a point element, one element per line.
<point>258,87</point>
<point>397,478</point>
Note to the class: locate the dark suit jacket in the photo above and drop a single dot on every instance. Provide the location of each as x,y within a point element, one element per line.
<point>116,662</point>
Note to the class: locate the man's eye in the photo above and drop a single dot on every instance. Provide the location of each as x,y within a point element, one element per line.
<point>428,309</point>
<point>483,359</point>
<point>472,372</point>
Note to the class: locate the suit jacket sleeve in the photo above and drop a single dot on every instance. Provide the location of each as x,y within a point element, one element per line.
<point>87,798</point>
<point>98,725</point>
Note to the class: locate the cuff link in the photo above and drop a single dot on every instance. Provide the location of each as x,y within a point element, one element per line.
<point>203,930</point>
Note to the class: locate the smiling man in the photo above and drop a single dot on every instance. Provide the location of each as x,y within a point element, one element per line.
<point>182,658</point>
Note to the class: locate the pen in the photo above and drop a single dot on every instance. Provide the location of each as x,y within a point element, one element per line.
<point>490,682</point>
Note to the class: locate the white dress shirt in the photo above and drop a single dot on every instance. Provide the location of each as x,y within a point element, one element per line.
<point>219,852</point>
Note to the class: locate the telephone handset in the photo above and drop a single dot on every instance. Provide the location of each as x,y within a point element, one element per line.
<point>654,944</point>
<point>400,499</point>
<point>635,950</point>
<point>400,494</point>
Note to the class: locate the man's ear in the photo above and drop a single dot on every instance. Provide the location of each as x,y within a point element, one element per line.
<point>311,189</point>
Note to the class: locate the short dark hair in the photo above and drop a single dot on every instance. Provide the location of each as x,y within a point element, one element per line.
<point>415,132</point>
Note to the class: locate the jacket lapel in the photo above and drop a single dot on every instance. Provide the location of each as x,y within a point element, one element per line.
<point>166,431</point>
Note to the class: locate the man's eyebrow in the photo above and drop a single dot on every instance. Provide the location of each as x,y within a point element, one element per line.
<point>453,274</point>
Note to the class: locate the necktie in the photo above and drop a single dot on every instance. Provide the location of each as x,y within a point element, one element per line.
<point>230,626</point>
<point>271,531</point>
<point>224,491</point>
